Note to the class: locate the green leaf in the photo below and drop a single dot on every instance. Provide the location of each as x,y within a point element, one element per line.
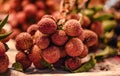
<point>86,66</point>
<point>3,22</point>
<point>2,36</point>
<point>43,62</point>
<point>103,17</point>
<point>97,8</point>
<point>6,47</point>
<point>88,12</point>
<point>108,51</point>
<point>17,66</point>
<point>108,25</point>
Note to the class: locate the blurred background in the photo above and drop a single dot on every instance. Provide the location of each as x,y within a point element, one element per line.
<point>24,13</point>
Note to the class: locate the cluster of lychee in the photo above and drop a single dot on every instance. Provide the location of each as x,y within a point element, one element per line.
<point>27,12</point>
<point>57,45</point>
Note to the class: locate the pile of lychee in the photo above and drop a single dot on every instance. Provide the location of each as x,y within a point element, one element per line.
<point>23,13</point>
<point>58,45</point>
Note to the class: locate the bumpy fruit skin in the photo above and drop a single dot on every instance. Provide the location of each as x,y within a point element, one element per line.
<point>73,16</point>
<point>49,16</point>
<point>51,54</point>
<point>4,62</point>
<point>32,29</point>
<point>59,38</point>
<point>74,47</point>
<point>35,57</point>
<point>47,26</point>
<point>73,28</point>
<point>73,63</point>
<point>24,41</point>
<point>91,38</point>
<point>2,49</point>
<point>84,52</point>
<point>23,59</point>
<point>42,42</point>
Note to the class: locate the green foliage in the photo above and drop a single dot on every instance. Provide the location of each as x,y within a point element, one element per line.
<point>17,66</point>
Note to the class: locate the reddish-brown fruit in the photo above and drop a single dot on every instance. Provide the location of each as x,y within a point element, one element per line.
<point>40,5</point>
<point>21,17</point>
<point>42,42</point>
<point>30,9</point>
<point>32,29</point>
<point>23,59</point>
<point>35,57</point>
<point>97,28</point>
<point>73,16</point>
<point>81,36</point>
<point>84,52</point>
<point>62,53</point>
<point>49,16</point>
<point>47,26</point>
<point>4,62</point>
<point>73,63</point>
<point>12,20</point>
<point>60,63</point>
<point>24,41</point>
<point>59,37</point>
<point>24,3</point>
<point>16,31</point>
<point>39,14</point>
<point>85,22</point>
<point>91,38</point>
<point>51,54</point>
<point>74,47</point>
<point>50,3</point>
<point>73,28</point>
<point>36,35</point>
<point>2,49</point>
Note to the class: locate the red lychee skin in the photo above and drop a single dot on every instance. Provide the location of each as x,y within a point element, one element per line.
<point>32,29</point>
<point>81,36</point>
<point>49,16</point>
<point>4,62</point>
<point>73,16</point>
<point>21,17</point>
<point>59,38</point>
<point>47,26</point>
<point>40,5</point>
<point>24,41</point>
<point>23,59</point>
<point>35,57</point>
<point>73,63</point>
<point>2,49</point>
<point>39,14</point>
<point>62,53</point>
<point>85,22</point>
<point>97,28</point>
<point>91,38</point>
<point>51,54</point>
<point>72,28</point>
<point>30,9</point>
<point>84,52</point>
<point>74,47</point>
<point>42,42</point>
